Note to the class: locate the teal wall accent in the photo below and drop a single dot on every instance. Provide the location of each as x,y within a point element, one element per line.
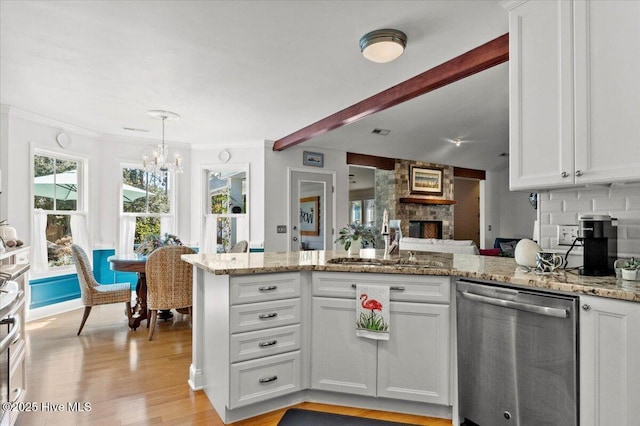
<point>50,290</point>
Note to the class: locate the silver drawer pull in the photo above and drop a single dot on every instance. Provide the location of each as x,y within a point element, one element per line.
<point>393,287</point>
<point>268,343</point>
<point>268,379</point>
<point>267,287</point>
<point>270,315</point>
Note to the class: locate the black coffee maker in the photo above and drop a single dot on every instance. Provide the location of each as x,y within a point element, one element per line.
<point>599,235</point>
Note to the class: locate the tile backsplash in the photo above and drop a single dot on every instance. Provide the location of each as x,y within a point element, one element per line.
<point>562,207</point>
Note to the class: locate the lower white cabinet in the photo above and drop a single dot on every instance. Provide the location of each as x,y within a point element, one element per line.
<point>609,362</point>
<point>412,365</point>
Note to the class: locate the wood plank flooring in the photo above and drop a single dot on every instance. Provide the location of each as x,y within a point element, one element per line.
<point>128,380</point>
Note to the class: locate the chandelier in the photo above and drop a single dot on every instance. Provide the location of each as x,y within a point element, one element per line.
<point>160,162</point>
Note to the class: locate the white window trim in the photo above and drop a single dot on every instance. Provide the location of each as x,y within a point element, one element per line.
<point>82,207</point>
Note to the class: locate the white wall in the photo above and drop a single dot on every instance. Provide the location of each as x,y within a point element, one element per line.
<point>509,214</point>
<point>27,132</point>
<point>276,211</point>
<point>4,159</point>
<point>517,215</point>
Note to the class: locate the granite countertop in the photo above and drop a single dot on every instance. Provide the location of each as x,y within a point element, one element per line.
<point>463,265</point>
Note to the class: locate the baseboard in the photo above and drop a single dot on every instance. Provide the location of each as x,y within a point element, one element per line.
<point>55,309</point>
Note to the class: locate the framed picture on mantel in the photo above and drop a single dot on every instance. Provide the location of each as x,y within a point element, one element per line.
<point>425,180</point>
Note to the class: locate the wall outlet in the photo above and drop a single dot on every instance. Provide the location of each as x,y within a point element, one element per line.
<point>281,229</point>
<point>567,234</point>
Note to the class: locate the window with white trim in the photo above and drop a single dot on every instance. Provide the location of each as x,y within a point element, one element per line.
<point>148,197</point>
<point>59,215</point>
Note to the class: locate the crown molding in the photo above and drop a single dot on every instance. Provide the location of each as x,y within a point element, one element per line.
<point>37,118</point>
<point>510,4</point>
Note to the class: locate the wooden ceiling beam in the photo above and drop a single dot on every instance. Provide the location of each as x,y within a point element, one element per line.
<point>476,60</point>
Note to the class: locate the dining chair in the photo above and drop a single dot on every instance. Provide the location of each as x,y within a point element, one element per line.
<point>93,293</point>
<point>169,282</point>
<point>240,247</point>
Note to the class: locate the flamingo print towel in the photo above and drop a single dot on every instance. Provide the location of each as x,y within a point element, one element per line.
<point>372,311</point>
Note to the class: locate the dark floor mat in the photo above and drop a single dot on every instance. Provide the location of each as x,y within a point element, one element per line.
<point>299,417</point>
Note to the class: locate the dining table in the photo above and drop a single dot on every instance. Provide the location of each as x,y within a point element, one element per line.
<point>137,263</point>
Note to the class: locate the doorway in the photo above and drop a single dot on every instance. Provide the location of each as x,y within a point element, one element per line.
<point>466,212</point>
<point>311,208</point>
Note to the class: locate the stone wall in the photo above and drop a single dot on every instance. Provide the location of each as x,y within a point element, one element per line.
<point>391,185</point>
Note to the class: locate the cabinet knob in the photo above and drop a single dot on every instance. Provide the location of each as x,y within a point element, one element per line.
<point>578,173</point>
<point>586,307</point>
<point>564,174</point>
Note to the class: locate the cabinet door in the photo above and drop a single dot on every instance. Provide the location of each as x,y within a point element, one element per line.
<point>414,363</point>
<point>340,361</point>
<point>540,95</point>
<point>609,362</point>
<point>607,107</point>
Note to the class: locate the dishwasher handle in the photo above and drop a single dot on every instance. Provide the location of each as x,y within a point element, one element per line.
<point>536,309</point>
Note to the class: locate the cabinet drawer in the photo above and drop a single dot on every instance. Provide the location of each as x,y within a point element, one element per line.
<point>264,287</point>
<point>414,288</point>
<point>264,378</point>
<point>257,344</point>
<point>258,316</point>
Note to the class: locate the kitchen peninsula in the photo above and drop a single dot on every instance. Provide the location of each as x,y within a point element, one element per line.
<point>274,329</point>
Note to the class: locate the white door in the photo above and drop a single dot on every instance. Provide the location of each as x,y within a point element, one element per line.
<point>311,204</point>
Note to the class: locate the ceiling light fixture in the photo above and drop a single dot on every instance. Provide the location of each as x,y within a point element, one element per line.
<point>457,141</point>
<point>160,155</point>
<point>383,45</point>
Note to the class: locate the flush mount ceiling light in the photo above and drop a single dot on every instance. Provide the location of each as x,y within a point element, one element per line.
<point>383,45</point>
<point>159,162</point>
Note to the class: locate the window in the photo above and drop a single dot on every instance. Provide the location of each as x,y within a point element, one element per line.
<point>226,218</point>
<point>147,197</point>
<point>58,197</point>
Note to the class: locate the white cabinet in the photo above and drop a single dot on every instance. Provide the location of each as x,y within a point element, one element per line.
<point>412,365</point>
<point>609,362</point>
<point>574,97</point>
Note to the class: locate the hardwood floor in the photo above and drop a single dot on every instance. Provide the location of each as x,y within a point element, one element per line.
<point>128,380</point>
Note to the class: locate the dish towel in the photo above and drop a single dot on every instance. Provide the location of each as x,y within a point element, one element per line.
<point>372,312</point>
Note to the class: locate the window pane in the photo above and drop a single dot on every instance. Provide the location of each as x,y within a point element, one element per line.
<point>228,192</point>
<point>144,192</point>
<point>59,240</point>
<point>146,226</point>
<point>226,234</point>
<point>66,185</point>
<point>55,183</point>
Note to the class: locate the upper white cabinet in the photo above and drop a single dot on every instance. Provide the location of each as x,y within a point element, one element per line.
<point>574,95</point>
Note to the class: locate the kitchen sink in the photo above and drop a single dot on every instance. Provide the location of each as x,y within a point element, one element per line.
<point>364,261</point>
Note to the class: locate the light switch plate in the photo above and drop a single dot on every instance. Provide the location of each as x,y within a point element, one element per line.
<point>567,234</point>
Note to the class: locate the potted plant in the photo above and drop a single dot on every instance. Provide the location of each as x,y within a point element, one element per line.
<point>355,235</point>
<point>630,269</point>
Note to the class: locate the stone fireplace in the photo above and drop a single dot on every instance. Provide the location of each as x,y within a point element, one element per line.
<point>392,185</point>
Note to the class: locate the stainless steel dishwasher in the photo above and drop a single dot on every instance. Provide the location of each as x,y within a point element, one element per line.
<point>517,356</point>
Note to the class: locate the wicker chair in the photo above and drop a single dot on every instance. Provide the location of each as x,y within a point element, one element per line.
<point>94,293</point>
<point>240,247</point>
<point>169,282</point>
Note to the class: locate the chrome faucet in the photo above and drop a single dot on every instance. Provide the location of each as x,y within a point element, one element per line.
<point>385,233</point>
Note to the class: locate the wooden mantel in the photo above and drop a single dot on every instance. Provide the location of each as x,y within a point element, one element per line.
<point>415,200</point>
